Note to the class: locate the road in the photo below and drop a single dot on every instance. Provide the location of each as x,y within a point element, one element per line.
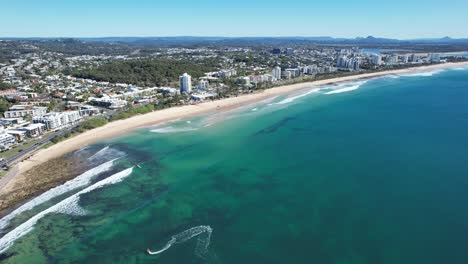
<point>30,150</point>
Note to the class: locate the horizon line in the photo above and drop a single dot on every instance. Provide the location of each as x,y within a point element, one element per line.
<point>225,37</point>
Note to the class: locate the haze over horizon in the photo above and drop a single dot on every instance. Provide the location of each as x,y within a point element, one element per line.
<point>143,18</point>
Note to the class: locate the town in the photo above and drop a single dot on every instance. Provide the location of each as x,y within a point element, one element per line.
<point>47,96</point>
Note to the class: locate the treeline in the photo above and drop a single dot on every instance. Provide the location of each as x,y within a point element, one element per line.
<point>144,72</point>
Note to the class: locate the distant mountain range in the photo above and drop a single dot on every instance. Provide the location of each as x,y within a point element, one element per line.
<point>191,40</point>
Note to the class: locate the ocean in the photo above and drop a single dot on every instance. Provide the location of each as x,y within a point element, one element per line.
<point>370,171</point>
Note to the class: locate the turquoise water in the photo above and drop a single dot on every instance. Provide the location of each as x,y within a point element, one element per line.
<point>366,172</point>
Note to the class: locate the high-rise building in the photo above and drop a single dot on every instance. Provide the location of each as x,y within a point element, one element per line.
<point>435,57</point>
<point>203,84</point>
<point>377,59</point>
<point>404,59</point>
<point>276,72</point>
<point>185,83</point>
<point>342,62</point>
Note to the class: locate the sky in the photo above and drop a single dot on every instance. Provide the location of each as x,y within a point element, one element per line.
<point>403,19</point>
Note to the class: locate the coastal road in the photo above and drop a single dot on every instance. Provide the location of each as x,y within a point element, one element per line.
<point>31,149</point>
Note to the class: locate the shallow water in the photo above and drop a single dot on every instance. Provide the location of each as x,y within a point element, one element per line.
<point>375,172</point>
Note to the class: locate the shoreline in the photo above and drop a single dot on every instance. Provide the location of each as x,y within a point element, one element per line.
<point>122,127</point>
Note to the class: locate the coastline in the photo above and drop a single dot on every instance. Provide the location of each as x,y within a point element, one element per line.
<point>121,127</point>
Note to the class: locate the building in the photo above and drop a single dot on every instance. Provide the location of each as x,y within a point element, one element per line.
<point>185,83</point>
<point>227,73</point>
<point>58,120</point>
<point>342,62</point>
<point>276,72</point>
<point>295,72</point>
<point>19,135</point>
<point>25,110</point>
<point>203,84</point>
<point>391,60</point>
<point>377,60</point>
<point>88,110</point>
<point>111,103</point>
<point>34,130</point>
<point>434,57</point>
<point>404,59</point>
<point>354,64</point>
<point>414,58</point>
<point>6,141</point>
<point>243,80</point>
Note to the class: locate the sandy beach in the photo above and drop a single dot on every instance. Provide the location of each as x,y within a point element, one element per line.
<point>119,128</point>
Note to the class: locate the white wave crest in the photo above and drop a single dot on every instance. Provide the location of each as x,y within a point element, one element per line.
<point>80,181</point>
<point>171,129</point>
<point>346,88</point>
<point>100,153</point>
<point>421,73</point>
<point>293,98</point>
<point>67,206</point>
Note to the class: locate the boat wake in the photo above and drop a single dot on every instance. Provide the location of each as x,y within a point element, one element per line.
<point>203,242</point>
<point>80,181</point>
<point>67,206</point>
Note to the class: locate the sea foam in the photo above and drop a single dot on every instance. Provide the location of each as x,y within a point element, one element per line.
<point>421,73</point>
<point>78,182</point>
<point>67,206</point>
<point>343,88</point>
<point>171,129</point>
<point>293,98</point>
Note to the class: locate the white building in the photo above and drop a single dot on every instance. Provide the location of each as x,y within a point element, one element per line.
<point>203,84</point>
<point>377,60</point>
<point>434,57</point>
<point>185,83</point>
<point>404,59</point>
<point>6,141</point>
<point>276,72</point>
<point>391,60</point>
<point>25,110</point>
<point>58,120</point>
<point>34,130</point>
<point>112,103</point>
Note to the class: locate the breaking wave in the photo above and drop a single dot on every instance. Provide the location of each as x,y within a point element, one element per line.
<point>346,88</point>
<point>80,181</point>
<point>67,206</point>
<point>203,242</point>
<point>100,153</point>
<point>171,129</point>
<point>421,73</point>
<point>293,98</point>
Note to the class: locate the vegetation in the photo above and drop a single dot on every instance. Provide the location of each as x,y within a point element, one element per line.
<point>132,112</point>
<point>145,72</point>
<point>5,86</point>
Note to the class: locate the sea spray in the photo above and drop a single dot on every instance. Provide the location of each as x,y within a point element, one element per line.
<point>67,206</point>
<point>203,242</point>
<point>78,182</point>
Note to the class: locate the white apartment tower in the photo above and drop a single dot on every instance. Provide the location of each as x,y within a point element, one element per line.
<point>185,83</point>
<point>276,72</point>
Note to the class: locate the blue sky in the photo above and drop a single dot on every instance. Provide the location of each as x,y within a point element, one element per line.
<point>340,18</point>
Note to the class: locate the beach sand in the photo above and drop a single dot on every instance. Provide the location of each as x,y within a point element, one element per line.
<point>119,128</point>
